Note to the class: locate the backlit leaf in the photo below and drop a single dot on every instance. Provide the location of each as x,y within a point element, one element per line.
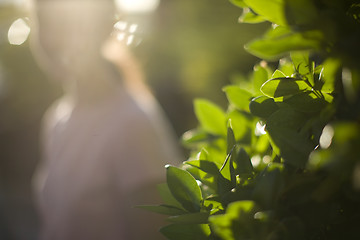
<point>280,41</point>
<point>272,11</point>
<point>279,87</point>
<point>230,139</point>
<point>196,136</point>
<point>184,188</point>
<point>204,165</point>
<point>329,75</point>
<point>211,117</point>
<point>248,16</point>
<point>260,75</point>
<point>278,74</point>
<point>303,65</point>
<point>240,98</point>
<point>239,3</point>
<point>241,125</point>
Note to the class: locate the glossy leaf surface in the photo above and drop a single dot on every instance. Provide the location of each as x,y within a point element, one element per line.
<point>184,188</point>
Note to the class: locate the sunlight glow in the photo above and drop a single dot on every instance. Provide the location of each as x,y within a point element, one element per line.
<point>130,40</point>
<point>18,32</point>
<point>133,28</point>
<point>120,25</point>
<point>120,36</point>
<point>326,137</point>
<point>126,32</point>
<point>266,159</point>
<point>260,129</point>
<point>260,215</point>
<point>256,160</point>
<point>137,6</point>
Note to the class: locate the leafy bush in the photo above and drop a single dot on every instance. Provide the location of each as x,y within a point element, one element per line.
<point>283,161</point>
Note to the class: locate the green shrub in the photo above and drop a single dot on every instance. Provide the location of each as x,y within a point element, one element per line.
<point>283,161</point>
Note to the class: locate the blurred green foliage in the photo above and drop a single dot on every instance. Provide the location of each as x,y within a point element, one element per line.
<point>283,160</point>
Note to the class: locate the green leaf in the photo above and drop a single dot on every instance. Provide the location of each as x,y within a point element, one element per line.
<point>263,106</point>
<point>211,117</point>
<point>269,185</point>
<point>167,197</point>
<point>260,75</point>
<point>184,188</point>
<point>330,73</point>
<point>301,12</point>
<point>203,154</point>
<point>221,184</point>
<point>230,139</point>
<point>306,102</point>
<point>284,86</point>
<point>262,144</point>
<point>302,64</point>
<point>248,16</point>
<point>272,11</point>
<point>226,167</point>
<point>294,147</point>
<point>327,97</point>
<point>163,209</point>
<point>239,3</point>
<point>240,98</point>
<point>243,166</point>
<point>278,74</point>
<point>205,166</point>
<point>235,223</point>
<point>191,218</point>
<point>286,66</point>
<point>186,231</point>
<point>241,126</point>
<point>213,204</point>
<point>196,136</point>
<point>287,117</point>
<point>279,41</point>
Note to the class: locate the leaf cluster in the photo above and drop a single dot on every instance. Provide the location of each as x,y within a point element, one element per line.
<point>283,160</point>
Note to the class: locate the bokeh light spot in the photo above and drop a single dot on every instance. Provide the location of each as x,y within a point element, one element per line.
<point>326,137</point>
<point>18,32</point>
<point>137,6</point>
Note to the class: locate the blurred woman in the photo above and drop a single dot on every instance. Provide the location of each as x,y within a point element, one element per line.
<point>105,142</point>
